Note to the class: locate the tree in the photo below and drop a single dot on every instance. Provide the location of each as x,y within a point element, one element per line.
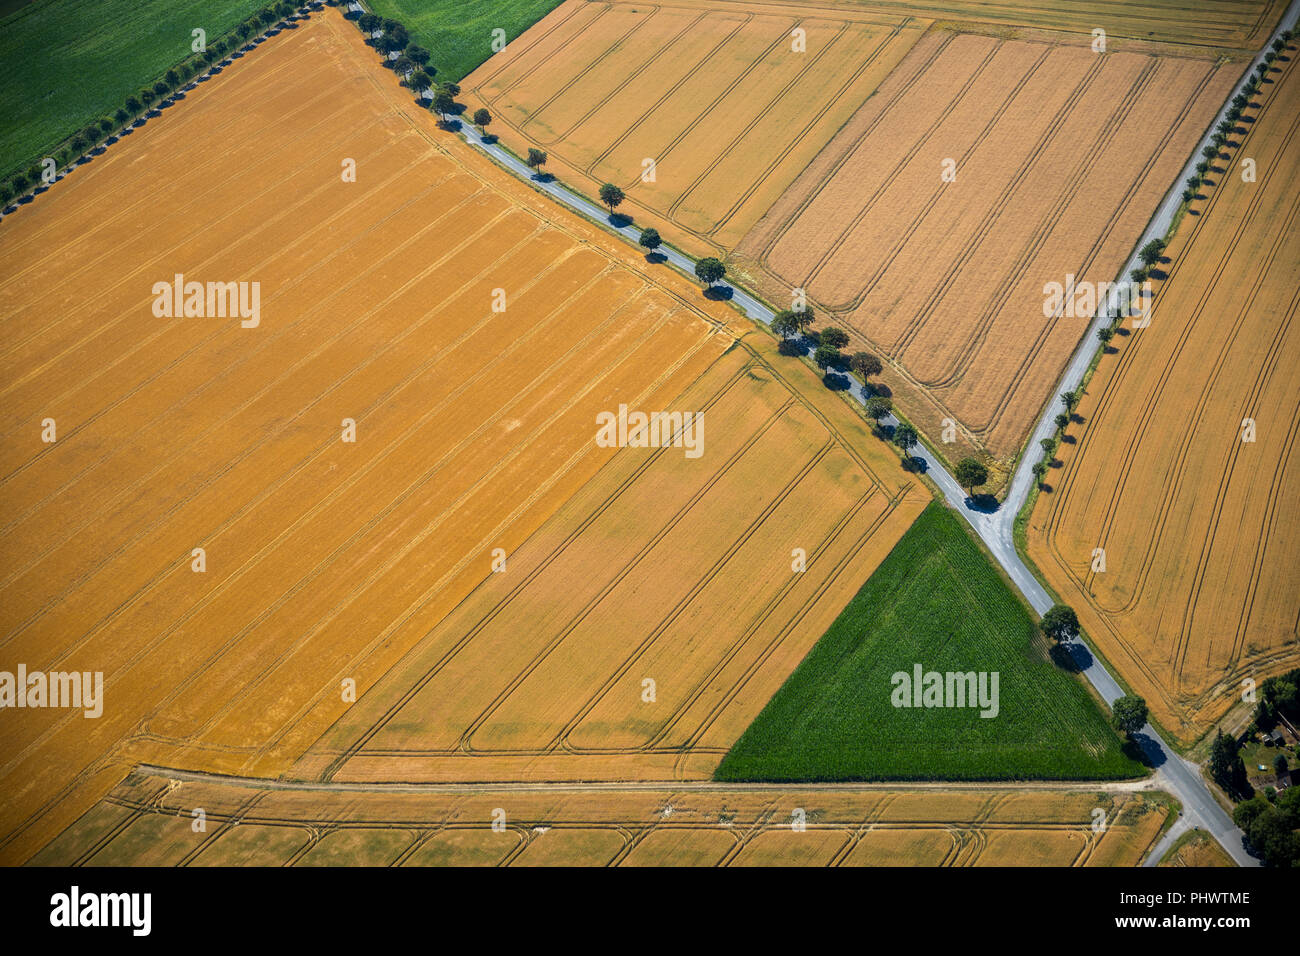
<point>1226,767</point>
<point>1280,765</point>
<point>836,338</point>
<point>146,97</point>
<point>121,116</point>
<point>906,438</point>
<point>418,54</point>
<point>709,270</point>
<point>804,317</point>
<point>1060,623</point>
<point>1129,714</point>
<point>133,105</point>
<point>367,21</point>
<point>443,104</point>
<point>420,81</point>
<point>536,158</point>
<point>785,324</point>
<point>827,357</point>
<point>865,364</point>
<point>106,125</point>
<point>650,239</point>
<point>1070,399</point>
<point>403,65</point>
<point>1151,252</point>
<point>970,474</point>
<point>1138,275</point>
<point>1210,152</point>
<point>1105,333</point>
<point>1040,471</point>
<point>611,196</point>
<point>171,78</point>
<point>482,118</point>
<point>877,408</point>
<point>452,89</point>
<point>1062,420</point>
<point>6,194</point>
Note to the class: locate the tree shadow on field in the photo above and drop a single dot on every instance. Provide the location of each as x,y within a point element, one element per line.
<point>791,348</point>
<point>879,390</point>
<point>656,258</point>
<point>918,465</point>
<point>1159,274</point>
<point>719,293</point>
<point>836,382</point>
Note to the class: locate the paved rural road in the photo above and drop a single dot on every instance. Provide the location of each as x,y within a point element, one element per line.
<point>994,528</point>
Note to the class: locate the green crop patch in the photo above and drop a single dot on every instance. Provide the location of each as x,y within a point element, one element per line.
<point>66,63</point>
<point>989,704</point>
<point>459,33</point>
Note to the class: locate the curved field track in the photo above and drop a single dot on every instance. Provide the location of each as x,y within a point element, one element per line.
<point>471,333</point>
<point>1199,526</point>
<point>715,94</point>
<point>151,820</point>
<point>1058,155</point>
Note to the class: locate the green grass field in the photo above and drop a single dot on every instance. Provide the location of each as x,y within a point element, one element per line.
<point>938,602</point>
<point>459,32</point>
<point>64,63</point>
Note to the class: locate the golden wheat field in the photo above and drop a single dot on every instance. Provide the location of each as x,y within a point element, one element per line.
<point>150,819</point>
<point>252,526</point>
<point>1182,473</point>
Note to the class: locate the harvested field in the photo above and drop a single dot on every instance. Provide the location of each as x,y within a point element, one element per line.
<point>1060,156</point>
<point>713,93</point>
<point>1197,848</point>
<point>1199,527</point>
<point>1228,24</point>
<point>374,827</point>
<point>327,559</point>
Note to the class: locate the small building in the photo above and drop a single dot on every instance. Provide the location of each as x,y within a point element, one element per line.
<point>1274,738</point>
